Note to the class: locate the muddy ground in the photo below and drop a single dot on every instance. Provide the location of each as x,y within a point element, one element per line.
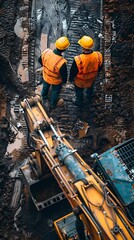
<point>110,122</point>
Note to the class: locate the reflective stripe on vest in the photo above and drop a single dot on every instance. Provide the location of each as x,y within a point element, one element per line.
<point>87,65</point>
<point>51,67</point>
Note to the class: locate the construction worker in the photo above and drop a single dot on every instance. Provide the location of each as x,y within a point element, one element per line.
<point>54,71</point>
<point>84,69</point>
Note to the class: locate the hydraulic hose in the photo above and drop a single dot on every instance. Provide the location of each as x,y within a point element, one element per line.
<point>65,156</point>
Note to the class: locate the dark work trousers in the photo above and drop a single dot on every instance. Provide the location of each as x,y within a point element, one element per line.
<point>79,95</point>
<point>54,94</point>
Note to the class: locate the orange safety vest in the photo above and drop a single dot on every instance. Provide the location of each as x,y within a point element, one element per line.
<point>87,65</point>
<point>51,66</point>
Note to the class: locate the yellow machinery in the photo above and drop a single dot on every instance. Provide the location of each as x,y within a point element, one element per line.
<point>97,214</point>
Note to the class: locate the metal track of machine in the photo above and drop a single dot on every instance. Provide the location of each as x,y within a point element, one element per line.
<point>97,213</point>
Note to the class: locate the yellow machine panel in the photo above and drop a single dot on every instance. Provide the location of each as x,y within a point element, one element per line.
<point>96,213</point>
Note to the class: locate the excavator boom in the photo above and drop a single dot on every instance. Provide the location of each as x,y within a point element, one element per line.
<point>95,209</point>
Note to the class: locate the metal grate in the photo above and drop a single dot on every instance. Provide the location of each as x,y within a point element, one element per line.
<point>126,155</point>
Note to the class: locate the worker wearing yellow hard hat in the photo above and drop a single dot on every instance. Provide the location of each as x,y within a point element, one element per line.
<point>84,69</point>
<point>62,43</point>
<point>86,42</point>
<point>54,71</point>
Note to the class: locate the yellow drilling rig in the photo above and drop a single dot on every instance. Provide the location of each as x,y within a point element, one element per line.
<point>99,209</point>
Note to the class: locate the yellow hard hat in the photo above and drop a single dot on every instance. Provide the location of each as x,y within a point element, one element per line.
<point>62,43</point>
<point>86,42</point>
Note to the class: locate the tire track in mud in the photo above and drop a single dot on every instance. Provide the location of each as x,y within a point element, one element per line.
<point>81,18</point>
<point>83,21</point>
<point>66,18</point>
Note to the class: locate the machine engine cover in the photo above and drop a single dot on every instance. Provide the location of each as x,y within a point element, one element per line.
<point>116,167</point>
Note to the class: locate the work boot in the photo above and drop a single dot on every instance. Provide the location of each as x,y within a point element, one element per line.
<point>60,103</point>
